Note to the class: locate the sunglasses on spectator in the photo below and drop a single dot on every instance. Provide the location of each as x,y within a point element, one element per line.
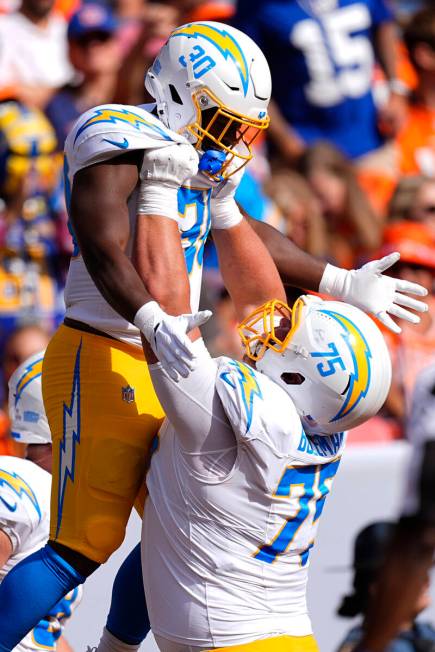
<point>91,37</point>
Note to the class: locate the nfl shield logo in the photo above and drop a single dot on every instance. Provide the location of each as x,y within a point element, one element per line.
<point>127,394</point>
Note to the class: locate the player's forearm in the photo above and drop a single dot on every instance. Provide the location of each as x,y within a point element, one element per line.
<point>248,270</point>
<point>116,278</point>
<point>295,266</point>
<point>159,260</point>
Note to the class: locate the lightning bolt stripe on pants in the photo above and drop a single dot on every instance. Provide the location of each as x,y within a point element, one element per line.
<point>70,438</point>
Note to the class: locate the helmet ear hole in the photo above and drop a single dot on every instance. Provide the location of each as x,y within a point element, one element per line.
<point>175,95</point>
<point>292,378</point>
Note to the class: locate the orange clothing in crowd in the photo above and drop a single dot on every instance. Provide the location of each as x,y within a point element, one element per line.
<point>416,142</point>
<point>378,187</point>
<point>7,445</point>
<point>67,7</point>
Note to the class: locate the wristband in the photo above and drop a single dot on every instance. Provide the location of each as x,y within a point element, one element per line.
<point>225,213</point>
<point>333,281</point>
<point>145,318</point>
<point>158,198</point>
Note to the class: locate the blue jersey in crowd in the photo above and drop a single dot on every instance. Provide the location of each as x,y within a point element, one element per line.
<point>321,56</point>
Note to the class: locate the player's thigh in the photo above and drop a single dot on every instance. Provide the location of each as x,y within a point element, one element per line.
<point>103,414</point>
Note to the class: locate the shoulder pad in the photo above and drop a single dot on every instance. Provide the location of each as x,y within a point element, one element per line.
<point>240,392</point>
<point>257,408</point>
<point>112,129</point>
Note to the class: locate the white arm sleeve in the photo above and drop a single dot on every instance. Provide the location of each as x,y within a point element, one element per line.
<point>193,406</point>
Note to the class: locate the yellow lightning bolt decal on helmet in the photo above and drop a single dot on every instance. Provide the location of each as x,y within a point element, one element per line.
<point>360,378</point>
<point>121,115</point>
<point>221,40</point>
<point>19,487</point>
<point>31,372</point>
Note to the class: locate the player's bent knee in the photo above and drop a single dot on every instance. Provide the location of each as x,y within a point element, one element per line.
<point>104,535</point>
<point>100,536</point>
<point>79,562</point>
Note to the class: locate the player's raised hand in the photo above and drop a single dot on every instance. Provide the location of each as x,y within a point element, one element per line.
<point>368,288</point>
<point>167,336</point>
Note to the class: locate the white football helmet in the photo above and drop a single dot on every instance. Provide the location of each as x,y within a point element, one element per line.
<point>333,362</point>
<point>26,407</point>
<point>212,83</point>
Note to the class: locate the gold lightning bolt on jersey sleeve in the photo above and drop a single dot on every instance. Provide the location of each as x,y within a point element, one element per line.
<point>263,414</point>
<point>112,129</point>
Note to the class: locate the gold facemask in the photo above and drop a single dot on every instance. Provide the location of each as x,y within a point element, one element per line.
<point>218,128</point>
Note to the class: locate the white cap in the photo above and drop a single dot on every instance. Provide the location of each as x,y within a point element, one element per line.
<point>26,408</point>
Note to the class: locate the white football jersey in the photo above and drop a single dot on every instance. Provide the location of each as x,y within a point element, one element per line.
<point>236,489</point>
<point>25,491</point>
<point>101,134</point>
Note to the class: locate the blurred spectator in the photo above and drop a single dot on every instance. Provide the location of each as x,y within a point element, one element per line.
<point>33,53</point>
<point>19,345</point>
<point>95,54</point>
<point>302,219</point>
<point>141,38</point>
<point>414,348</point>
<point>322,57</point>
<point>371,546</point>
<point>405,9</point>
<point>414,199</point>
<point>416,141</point>
<point>33,254</point>
<point>226,340</point>
<point>253,201</point>
<point>353,228</point>
<point>191,10</point>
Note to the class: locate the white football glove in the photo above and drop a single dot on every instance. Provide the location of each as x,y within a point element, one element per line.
<point>163,171</point>
<point>167,337</point>
<point>171,165</point>
<point>368,289</point>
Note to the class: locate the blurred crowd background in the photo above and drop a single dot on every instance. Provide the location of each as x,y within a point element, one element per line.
<point>347,169</point>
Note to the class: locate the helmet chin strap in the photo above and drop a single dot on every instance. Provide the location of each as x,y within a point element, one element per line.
<point>154,87</point>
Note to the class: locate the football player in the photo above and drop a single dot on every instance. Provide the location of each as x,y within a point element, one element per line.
<point>25,486</point>
<point>136,179</point>
<point>244,462</point>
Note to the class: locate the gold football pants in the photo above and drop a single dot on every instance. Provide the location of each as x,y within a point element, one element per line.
<point>103,414</point>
